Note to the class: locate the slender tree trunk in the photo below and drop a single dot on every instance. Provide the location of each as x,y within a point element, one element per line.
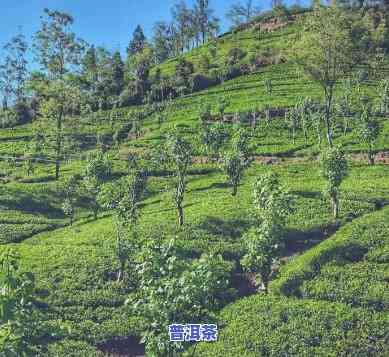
<point>328,95</point>
<point>265,284</point>
<point>118,251</point>
<point>180,212</point>
<point>335,206</point>
<point>58,145</point>
<point>319,137</point>
<point>5,103</point>
<point>121,270</point>
<point>234,189</point>
<point>371,157</point>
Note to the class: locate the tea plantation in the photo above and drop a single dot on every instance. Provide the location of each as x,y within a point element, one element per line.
<point>328,289</point>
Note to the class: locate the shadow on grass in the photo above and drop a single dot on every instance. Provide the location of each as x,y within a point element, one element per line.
<point>122,346</point>
<point>39,179</point>
<point>233,228</point>
<point>307,194</point>
<point>220,185</point>
<point>25,203</point>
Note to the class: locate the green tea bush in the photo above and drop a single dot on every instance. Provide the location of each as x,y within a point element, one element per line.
<point>273,326</point>
<point>338,264</point>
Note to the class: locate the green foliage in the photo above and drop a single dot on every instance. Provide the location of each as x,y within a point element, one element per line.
<point>98,166</point>
<point>347,268</point>
<point>180,153</point>
<point>124,198</point>
<point>91,186</point>
<point>235,55</point>
<point>240,143</point>
<point>60,99</point>
<point>184,72</point>
<point>278,326</point>
<point>334,170</point>
<point>76,268</point>
<point>138,42</point>
<point>272,201</point>
<point>139,66</point>
<point>13,74</point>
<point>18,319</point>
<point>222,104</point>
<point>273,204</point>
<point>328,49</point>
<point>72,348</point>
<point>175,291</point>
<point>205,114</point>
<point>214,137</point>
<point>369,131</point>
<point>234,165</point>
<point>70,192</point>
<point>269,86</point>
<point>384,96</point>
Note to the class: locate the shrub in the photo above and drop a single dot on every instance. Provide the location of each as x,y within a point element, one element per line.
<point>369,130</point>
<point>180,154</point>
<point>18,318</point>
<point>233,165</point>
<point>175,291</point>
<point>271,326</point>
<point>334,170</point>
<point>352,244</point>
<point>72,348</point>
<point>272,205</point>
<point>98,166</point>
<point>235,55</point>
<point>201,82</point>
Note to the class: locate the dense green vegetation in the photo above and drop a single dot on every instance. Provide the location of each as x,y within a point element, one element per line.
<point>129,215</point>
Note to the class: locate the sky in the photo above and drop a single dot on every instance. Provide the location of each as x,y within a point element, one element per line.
<point>108,23</point>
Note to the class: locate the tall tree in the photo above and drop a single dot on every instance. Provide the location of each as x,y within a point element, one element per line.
<point>18,316</point>
<point>327,50</point>
<point>276,3</point>
<point>117,72</point>
<point>369,130</point>
<point>13,71</point>
<point>242,12</point>
<point>124,197</point>
<point>183,23</point>
<point>204,18</point>
<point>137,43</point>
<point>90,67</point>
<point>6,83</point>
<point>180,152</point>
<point>184,71</point>
<point>273,204</point>
<point>334,168</point>
<point>162,41</point>
<point>106,88</point>
<point>138,71</point>
<point>57,50</point>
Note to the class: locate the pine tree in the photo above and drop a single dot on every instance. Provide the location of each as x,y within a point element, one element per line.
<point>117,72</point>
<point>137,43</point>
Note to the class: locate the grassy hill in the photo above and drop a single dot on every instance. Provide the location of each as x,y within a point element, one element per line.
<point>328,298</point>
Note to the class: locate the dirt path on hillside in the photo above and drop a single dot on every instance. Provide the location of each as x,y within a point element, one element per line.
<point>381,157</point>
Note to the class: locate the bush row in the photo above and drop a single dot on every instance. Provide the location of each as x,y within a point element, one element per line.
<point>279,326</point>
<point>319,271</point>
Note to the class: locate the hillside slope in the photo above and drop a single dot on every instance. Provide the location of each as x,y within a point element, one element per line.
<point>345,298</point>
